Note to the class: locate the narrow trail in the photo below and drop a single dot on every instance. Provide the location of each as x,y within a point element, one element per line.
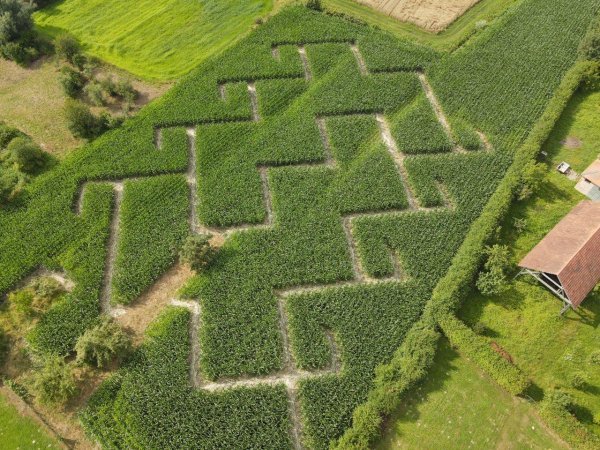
<point>290,375</point>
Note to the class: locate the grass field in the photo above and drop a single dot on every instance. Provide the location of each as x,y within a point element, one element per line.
<point>315,149</point>
<point>525,320</point>
<point>19,433</point>
<point>449,39</point>
<point>458,407</point>
<point>155,40</point>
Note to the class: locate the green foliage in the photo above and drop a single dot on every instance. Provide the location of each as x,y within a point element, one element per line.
<point>315,5</point>
<point>4,346</point>
<point>54,383</point>
<point>95,93</point>
<point>578,380</point>
<point>102,344</point>
<point>7,134</point>
<point>494,278</point>
<point>26,156</point>
<point>15,20</point>
<point>66,47</point>
<point>72,81</point>
<point>9,182</point>
<point>532,177</point>
<point>82,122</point>
<point>589,48</point>
<point>197,252</point>
<point>594,358</point>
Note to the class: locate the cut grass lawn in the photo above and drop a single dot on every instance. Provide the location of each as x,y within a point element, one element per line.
<point>18,432</point>
<point>449,39</point>
<point>525,320</point>
<point>153,39</point>
<point>458,407</point>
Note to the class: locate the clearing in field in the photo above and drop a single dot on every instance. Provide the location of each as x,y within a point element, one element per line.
<point>155,40</point>
<point>433,15</point>
<point>341,168</point>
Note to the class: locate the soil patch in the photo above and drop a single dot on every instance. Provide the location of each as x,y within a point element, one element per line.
<point>432,15</point>
<point>572,142</point>
<point>152,303</point>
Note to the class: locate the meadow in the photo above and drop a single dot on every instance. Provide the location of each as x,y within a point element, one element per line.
<point>319,150</point>
<point>155,40</point>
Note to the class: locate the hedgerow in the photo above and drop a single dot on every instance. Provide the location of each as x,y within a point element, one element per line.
<point>149,403</point>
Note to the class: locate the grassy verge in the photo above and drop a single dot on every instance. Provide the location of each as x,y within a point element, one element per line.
<point>452,37</point>
<point>156,40</point>
<point>525,320</point>
<point>450,407</point>
<point>18,432</point>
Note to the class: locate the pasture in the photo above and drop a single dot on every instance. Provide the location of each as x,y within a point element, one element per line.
<point>154,40</point>
<point>342,169</point>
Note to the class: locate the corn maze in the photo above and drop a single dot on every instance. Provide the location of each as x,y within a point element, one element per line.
<point>342,175</point>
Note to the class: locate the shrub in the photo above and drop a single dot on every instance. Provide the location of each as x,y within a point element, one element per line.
<point>493,280</point>
<point>66,47</point>
<point>578,380</point>
<point>125,90</point>
<point>559,399</point>
<point>82,122</point>
<point>95,93</point>
<point>197,252</point>
<point>19,52</point>
<point>109,86</point>
<point>7,134</point>
<point>54,383</point>
<point>72,81</point>
<point>314,4</point>
<point>15,20</point>
<point>27,156</point>
<point>479,328</point>
<point>21,302</point>
<point>594,358</point>
<point>4,343</point>
<point>589,49</point>
<point>531,179</point>
<point>102,344</point>
<point>9,181</point>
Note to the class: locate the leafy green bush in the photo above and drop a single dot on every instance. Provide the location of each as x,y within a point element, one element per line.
<point>102,344</point>
<point>82,122</point>
<point>9,182</point>
<point>4,346</point>
<point>27,156</point>
<point>67,47</point>
<point>315,5</point>
<point>578,380</point>
<point>532,177</point>
<point>16,21</point>
<point>493,279</point>
<point>94,93</point>
<point>594,358</point>
<point>72,81</point>
<point>54,383</point>
<point>589,49</point>
<point>7,134</point>
<point>197,252</point>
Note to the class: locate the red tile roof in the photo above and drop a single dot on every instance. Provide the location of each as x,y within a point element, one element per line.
<point>571,251</point>
<point>592,173</point>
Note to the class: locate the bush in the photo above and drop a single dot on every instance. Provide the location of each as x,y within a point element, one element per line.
<point>531,179</point>
<point>559,399</point>
<point>54,383</point>
<point>314,4</point>
<point>95,93</point>
<point>102,344</point>
<point>82,122</point>
<point>197,252</point>
<point>15,20</point>
<point>9,181</point>
<point>27,156</point>
<point>594,358</point>
<point>19,52</point>
<point>72,81</point>
<point>479,328</point>
<point>493,280</point>
<point>4,345</point>
<point>67,47</point>
<point>7,134</point>
<point>578,380</point>
<point>589,49</point>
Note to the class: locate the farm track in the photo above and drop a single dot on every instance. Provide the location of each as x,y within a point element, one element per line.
<point>290,375</point>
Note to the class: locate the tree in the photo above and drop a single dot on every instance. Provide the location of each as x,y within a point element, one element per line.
<point>197,252</point>
<point>82,122</point>
<point>532,177</point>
<point>54,383</point>
<point>72,81</point>
<point>7,134</point>
<point>66,47</point>
<point>15,20</point>
<point>493,279</point>
<point>102,344</point>
<point>589,48</point>
<point>27,156</point>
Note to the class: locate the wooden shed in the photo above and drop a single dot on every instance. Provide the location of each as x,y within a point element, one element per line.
<point>567,260</point>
